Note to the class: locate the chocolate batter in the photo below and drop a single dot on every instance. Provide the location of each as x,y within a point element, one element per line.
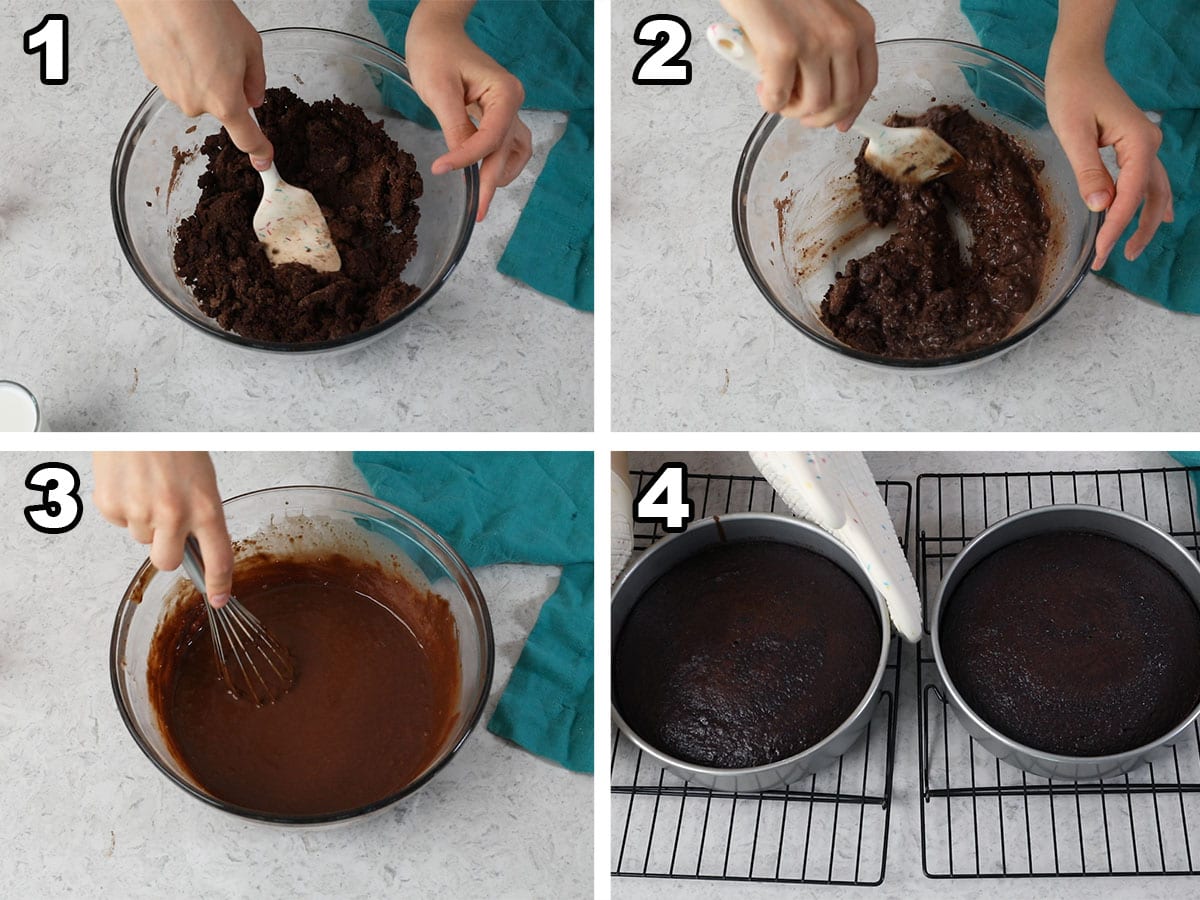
<point>745,654</point>
<point>375,697</point>
<point>366,186</point>
<point>1074,643</point>
<point>920,295</point>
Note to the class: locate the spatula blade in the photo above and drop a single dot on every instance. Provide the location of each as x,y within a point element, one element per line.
<point>290,225</point>
<point>913,156</point>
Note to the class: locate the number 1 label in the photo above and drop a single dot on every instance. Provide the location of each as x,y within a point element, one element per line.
<point>49,39</point>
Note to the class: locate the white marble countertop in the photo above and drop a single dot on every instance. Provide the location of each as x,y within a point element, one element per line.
<point>904,876</point>
<point>84,813</point>
<point>100,353</point>
<point>696,347</point>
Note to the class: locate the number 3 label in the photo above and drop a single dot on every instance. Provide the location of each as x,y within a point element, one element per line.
<point>670,37</point>
<point>664,501</point>
<point>60,509</point>
<point>49,38</point>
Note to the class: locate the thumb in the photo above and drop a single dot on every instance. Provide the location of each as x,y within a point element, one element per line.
<point>1095,184</point>
<point>446,100</point>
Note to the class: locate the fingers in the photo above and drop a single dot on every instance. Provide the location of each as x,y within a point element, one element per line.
<point>519,156</point>
<point>500,104</point>
<point>1080,143</point>
<point>445,100</point>
<point>868,75</point>
<point>499,169</point>
<point>255,82</point>
<point>246,135</point>
<point>1132,183</point>
<point>166,548</point>
<point>778,80</point>
<point>1154,212</point>
<point>217,551</point>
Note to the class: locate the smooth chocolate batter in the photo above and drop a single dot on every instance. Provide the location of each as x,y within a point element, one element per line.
<point>1074,643</point>
<point>366,186</point>
<point>920,295</point>
<point>745,654</point>
<point>375,697</point>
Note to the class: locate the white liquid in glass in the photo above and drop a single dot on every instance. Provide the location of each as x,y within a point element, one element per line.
<point>17,409</point>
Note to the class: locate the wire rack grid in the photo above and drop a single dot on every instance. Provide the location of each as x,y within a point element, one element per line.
<point>981,818</point>
<point>830,828</point>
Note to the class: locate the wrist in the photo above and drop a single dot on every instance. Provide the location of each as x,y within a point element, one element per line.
<point>1075,53</point>
<point>443,12</point>
<point>1081,32</point>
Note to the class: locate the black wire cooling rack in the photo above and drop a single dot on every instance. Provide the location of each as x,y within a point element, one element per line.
<point>981,818</point>
<point>830,828</point>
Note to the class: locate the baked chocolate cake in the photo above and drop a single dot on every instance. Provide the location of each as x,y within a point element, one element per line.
<point>1074,643</point>
<point>744,654</point>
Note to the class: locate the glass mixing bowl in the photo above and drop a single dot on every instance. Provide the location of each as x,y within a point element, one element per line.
<point>319,519</point>
<point>797,225</point>
<point>149,198</point>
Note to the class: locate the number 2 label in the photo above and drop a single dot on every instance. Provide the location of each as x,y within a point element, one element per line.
<point>664,501</point>
<point>49,39</point>
<point>670,37</point>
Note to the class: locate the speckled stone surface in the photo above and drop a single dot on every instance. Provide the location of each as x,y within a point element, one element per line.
<point>904,878</point>
<point>100,353</point>
<point>697,347</point>
<point>84,813</point>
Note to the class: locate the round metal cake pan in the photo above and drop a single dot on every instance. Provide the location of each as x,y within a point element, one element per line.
<point>1044,520</point>
<point>671,551</point>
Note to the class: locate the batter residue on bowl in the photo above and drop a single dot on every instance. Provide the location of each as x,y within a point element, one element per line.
<point>745,654</point>
<point>920,295</point>
<point>1074,643</point>
<point>375,698</point>
<point>366,186</point>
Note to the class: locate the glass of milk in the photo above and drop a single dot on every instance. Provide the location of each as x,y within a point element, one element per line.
<point>19,409</point>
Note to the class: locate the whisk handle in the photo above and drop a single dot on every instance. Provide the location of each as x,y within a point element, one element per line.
<point>193,563</point>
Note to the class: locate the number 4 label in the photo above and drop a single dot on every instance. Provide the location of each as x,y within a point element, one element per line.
<point>49,38</point>
<point>670,37</point>
<point>664,501</point>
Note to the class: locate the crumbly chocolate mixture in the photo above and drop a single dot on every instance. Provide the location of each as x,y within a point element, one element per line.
<point>374,700</point>
<point>919,295</point>
<point>366,186</point>
<point>745,654</point>
<point>1074,643</point>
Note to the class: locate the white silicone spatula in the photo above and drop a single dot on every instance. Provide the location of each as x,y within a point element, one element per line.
<point>837,492</point>
<point>904,155</point>
<point>290,225</point>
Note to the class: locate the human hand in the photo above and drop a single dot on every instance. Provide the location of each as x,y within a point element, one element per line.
<point>454,78</point>
<point>818,58</point>
<point>1089,110</point>
<point>162,498</point>
<point>205,57</point>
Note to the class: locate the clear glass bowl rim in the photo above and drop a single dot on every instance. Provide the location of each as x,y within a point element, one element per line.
<point>399,68</point>
<point>466,583</point>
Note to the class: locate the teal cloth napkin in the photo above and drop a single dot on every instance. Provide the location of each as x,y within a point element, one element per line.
<point>1154,54</point>
<point>518,508</point>
<point>548,44</point>
<point>1191,459</point>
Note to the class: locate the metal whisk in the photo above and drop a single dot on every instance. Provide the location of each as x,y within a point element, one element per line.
<point>252,663</point>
